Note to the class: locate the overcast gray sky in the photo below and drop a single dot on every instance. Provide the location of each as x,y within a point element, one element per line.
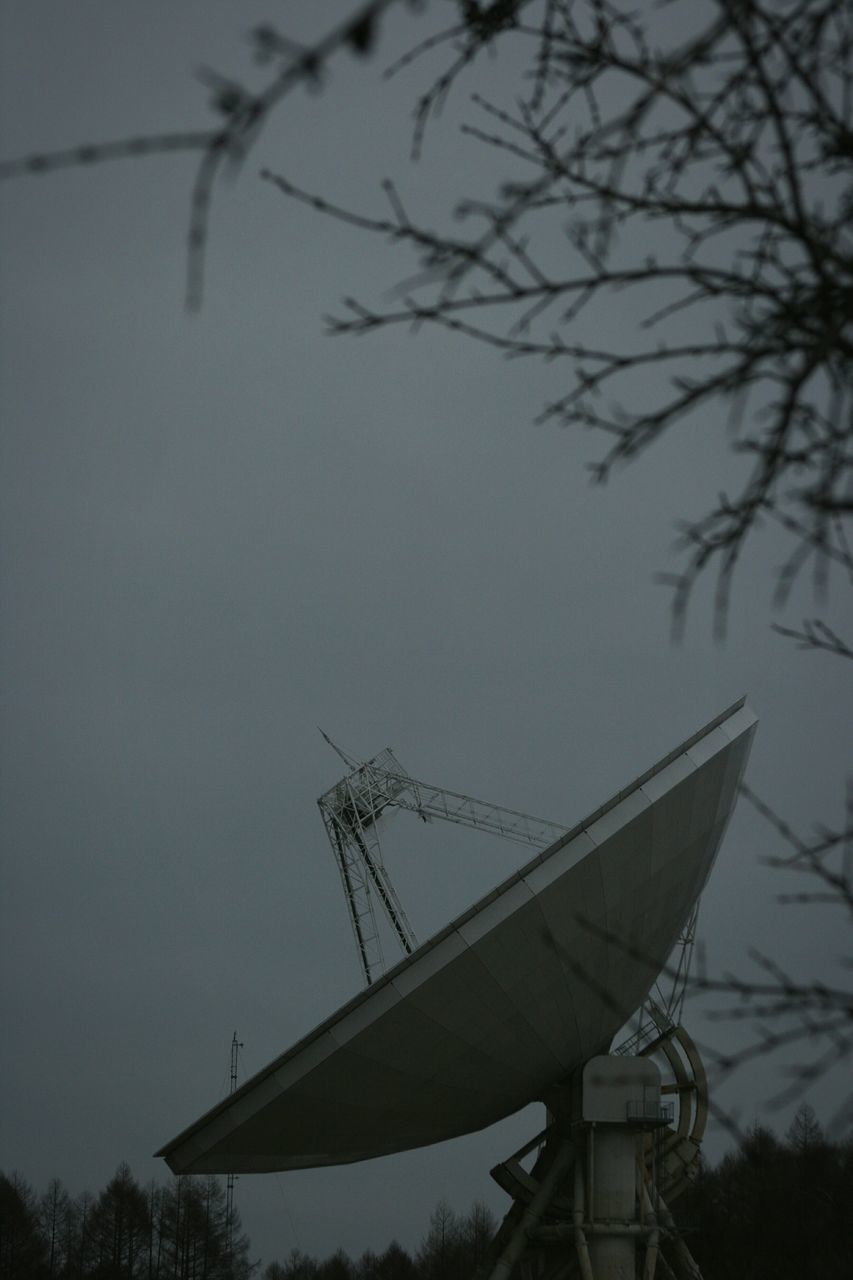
<point>221,531</point>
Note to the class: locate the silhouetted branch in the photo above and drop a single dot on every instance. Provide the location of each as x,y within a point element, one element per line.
<point>738,143</point>
<point>703,179</point>
<point>785,1011</point>
<point>241,116</point>
<point>816,634</point>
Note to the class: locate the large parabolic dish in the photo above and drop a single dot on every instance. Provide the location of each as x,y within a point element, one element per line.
<point>507,1000</point>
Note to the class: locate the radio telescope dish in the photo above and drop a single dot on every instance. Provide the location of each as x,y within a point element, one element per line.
<point>505,1002</point>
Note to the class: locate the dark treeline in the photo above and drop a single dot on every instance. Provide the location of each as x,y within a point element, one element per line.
<point>452,1247</point>
<point>775,1208</point>
<point>127,1232</point>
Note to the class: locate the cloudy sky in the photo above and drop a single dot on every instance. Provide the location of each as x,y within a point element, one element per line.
<point>221,531</point>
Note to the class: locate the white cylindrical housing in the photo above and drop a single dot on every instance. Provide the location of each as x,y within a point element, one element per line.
<point>612,1164</point>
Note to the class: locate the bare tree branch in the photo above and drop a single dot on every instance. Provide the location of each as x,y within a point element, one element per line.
<point>703,176</point>
<point>738,141</point>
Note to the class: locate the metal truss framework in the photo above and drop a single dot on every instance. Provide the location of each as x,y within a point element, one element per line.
<point>351,810</point>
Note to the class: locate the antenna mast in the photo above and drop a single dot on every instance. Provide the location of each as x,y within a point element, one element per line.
<point>236,1046</point>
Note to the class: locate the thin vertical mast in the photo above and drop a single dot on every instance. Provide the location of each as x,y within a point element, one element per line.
<point>236,1046</point>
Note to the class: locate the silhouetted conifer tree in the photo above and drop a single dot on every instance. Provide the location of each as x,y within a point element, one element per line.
<point>336,1267</point>
<point>119,1227</point>
<point>396,1264</point>
<point>22,1252</point>
<point>53,1211</point>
